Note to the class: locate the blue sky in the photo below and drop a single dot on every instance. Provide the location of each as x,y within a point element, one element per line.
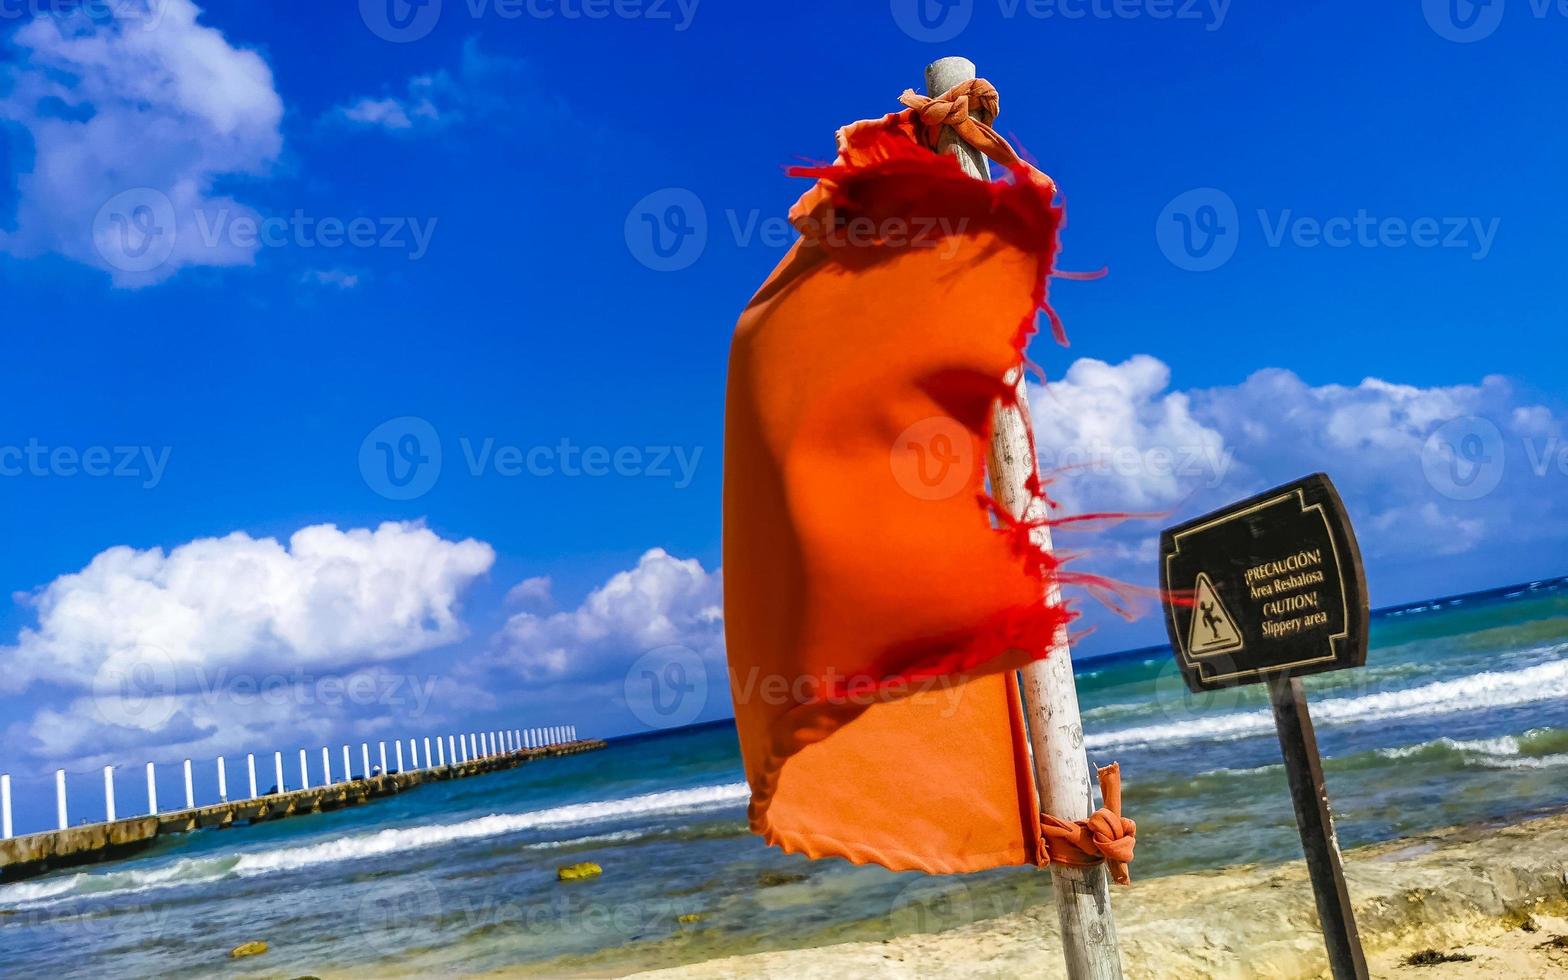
<point>1382,184</point>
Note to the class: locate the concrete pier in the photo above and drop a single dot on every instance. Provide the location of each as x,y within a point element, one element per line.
<point>35,854</point>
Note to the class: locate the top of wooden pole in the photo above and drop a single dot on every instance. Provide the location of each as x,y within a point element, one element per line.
<point>942,75</point>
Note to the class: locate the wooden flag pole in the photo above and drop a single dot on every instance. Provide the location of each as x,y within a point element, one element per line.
<point>1050,694</point>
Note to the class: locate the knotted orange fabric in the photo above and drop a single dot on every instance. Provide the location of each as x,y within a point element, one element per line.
<point>874,617</point>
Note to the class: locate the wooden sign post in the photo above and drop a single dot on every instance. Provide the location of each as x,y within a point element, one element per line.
<point>1083,902</point>
<point>1277,590</point>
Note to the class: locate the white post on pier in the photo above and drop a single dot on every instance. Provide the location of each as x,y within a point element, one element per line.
<point>1050,694</point>
<point>250,769</point>
<point>190,788</point>
<point>223,781</point>
<point>440,751</point>
<point>326,767</point>
<point>348,765</point>
<point>413,754</point>
<point>108,794</point>
<point>152,792</point>
<point>451,750</point>
<point>59,799</point>
<point>364,760</point>
<point>528,738</point>
<point>304,771</point>
<point>430,760</point>
<point>462,744</point>
<point>277,765</point>
<point>397,745</point>
<point>5,806</point>
<point>383,748</point>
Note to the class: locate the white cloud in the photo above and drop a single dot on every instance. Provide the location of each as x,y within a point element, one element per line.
<point>663,601</point>
<point>326,601</point>
<point>483,87</point>
<point>133,123</point>
<point>1122,440</point>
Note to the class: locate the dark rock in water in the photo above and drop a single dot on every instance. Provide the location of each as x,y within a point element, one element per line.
<point>579,871</point>
<point>1431,957</point>
<point>254,948</point>
<point>772,879</point>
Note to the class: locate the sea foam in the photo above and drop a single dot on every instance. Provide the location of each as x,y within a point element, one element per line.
<point>1477,692</point>
<point>393,840</point>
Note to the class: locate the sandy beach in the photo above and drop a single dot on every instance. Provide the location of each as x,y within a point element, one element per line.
<point>1498,895</point>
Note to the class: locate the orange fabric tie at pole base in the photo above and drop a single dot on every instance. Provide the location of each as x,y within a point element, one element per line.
<point>874,618</point>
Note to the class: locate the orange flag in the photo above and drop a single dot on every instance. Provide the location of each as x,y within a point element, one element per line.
<point>874,616</point>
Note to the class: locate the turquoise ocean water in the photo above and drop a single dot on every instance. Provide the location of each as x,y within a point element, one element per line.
<point>1460,715</point>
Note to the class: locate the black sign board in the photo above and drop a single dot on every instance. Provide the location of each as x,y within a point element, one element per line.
<point>1265,591</point>
<point>1271,586</point>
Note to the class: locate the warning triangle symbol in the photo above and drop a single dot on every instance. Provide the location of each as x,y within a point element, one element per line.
<point>1213,629</point>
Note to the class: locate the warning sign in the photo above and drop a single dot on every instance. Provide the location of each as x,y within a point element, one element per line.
<point>1276,588</point>
<point>1213,631</point>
